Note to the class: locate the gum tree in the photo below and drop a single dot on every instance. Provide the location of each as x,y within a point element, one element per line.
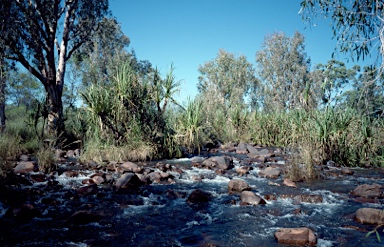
<point>358,25</point>
<point>283,67</point>
<point>42,35</point>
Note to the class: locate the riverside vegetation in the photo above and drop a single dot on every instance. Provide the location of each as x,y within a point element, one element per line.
<point>134,117</point>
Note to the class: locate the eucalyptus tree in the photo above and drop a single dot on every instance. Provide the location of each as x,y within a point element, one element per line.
<point>23,88</point>
<point>357,25</point>
<point>364,96</point>
<point>283,67</point>
<point>42,35</point>
<point>333,79</point>
<point>228,77</point>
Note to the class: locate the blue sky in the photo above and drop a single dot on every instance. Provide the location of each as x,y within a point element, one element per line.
<point>190,33</point>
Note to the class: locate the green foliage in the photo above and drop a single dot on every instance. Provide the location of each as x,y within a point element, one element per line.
<point>129,110</point>
<point>357,25</point>
<point>230,78</point>
<point>190,127</point>
<point>283,67</point>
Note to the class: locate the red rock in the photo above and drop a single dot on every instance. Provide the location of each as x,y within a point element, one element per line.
<point>289,183</point>
<point>250,198</point>
<point>24,167</point>
<point>368,191</point>
<point>237,185</point>
<point>270,172</point>
<point>370,216</point>
<point>296,236</point>
<point>87,190</point>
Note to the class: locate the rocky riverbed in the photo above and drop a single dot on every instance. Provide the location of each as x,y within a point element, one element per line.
<point>236,196</point>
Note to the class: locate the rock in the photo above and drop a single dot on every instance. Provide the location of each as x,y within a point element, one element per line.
<point>70,154</point>
<point>370,216</point>
<point>264,153</point>
<point>25,167</point>
<point>83,217</point>
<point>304,198</point>
<point>296,236</point>
<point>237,185</point>
<point>24,157</point>
<point>270,172</point>
<point>172,194</point>
<point>24,212</point>
<point>273,183</point>
<point>98,179</point>
<point>221,162</point>
<point>87,190</point>
<point>155,177</point>
<point>309,198</point>
<point>130,167</point>
<point>368,191</point>
<point>241,149</point>
<point>38,178</point>
<point>71,174</point>
<point>248,197</point>
<point>242,171</point>
<point>289,183</point>
<point>346,171</point>
<point>270,197</point>
<point>199,196</point>
<point>144,178</point>
<point>128,181</point>
<point>197,159</point>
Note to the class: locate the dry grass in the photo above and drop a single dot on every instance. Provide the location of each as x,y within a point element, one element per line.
<point>102,153</point>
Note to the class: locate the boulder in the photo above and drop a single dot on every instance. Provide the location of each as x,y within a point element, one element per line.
<point>305,198</point>
<point>199,196</point>
<point>83,217</point>
<point>289,183</point>
<point>369,191</point>
<point>237,185</point>
<point>87,190</point>
<point>128,181</point>
<point>222,162</point>
<point>130,167</point>
<point>24,157</point>
<point>301,236</point>
<point>24,167</point>
<point>270,172</point>
<point>346,171</point>
<point>197,159</point>
<point>309,198</point>
<point>243,170</point>
<point>370,216</point>
<point>241,149</point>
<point>250,198</point>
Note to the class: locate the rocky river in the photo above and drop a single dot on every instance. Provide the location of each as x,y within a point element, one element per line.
<point>236,196</point>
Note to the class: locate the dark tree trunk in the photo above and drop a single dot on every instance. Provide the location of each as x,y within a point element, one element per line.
<point>2,95</point>
<point>55,109</point>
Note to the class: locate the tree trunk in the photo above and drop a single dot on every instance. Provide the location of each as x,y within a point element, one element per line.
<point>2,95</point>
<point>55,110</point>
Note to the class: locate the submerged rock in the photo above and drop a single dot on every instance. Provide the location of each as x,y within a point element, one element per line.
<point>370,216</point>
<point>83,217</point>
<point>199,196</point>
<point>301,236</point>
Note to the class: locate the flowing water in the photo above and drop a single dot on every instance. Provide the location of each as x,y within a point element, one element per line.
<point>158,214</point>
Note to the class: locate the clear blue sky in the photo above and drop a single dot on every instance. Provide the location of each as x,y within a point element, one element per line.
<point>190,33</point>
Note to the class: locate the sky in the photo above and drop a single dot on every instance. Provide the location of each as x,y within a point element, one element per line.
<point>190,33</point>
